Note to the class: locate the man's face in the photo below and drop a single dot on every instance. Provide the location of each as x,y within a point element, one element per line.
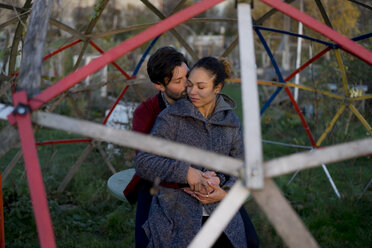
<point>176,87</point>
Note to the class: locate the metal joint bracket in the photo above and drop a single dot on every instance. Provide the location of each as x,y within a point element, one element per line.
<point>21,109</point>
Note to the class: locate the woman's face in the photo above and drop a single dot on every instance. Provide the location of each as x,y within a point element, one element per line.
<point>201,90</point>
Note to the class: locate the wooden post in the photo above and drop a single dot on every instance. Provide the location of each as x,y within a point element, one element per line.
<point>299,161</point>
<point>30,72</point>
<point>251,116</point>
<point>281,215</point>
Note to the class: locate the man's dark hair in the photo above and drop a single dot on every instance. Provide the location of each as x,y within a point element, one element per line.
<point>162,63</point>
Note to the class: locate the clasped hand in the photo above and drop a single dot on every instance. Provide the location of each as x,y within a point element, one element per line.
<point>204,186</point>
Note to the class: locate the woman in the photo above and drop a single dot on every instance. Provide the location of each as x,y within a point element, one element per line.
<point>204,120</point>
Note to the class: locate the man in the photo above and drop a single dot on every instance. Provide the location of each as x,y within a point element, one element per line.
<point>167,69</point>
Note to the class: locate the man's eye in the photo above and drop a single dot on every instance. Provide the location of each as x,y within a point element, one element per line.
<point>200,88</point>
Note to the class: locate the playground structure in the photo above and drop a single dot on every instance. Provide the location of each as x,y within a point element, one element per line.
<point>264,191</point>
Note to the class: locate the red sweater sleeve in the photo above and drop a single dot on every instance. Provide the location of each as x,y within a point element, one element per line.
<point>144,118</point>
<point>145,115</point>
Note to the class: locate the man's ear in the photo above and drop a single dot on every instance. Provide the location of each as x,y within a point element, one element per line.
<point>160,87</point>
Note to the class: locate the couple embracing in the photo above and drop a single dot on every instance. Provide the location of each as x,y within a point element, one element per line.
<point>189,109</point>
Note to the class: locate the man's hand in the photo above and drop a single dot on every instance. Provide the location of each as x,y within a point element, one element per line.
<point>196,180</point>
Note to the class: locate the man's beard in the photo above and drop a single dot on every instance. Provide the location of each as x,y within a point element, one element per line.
<point>175,96</point>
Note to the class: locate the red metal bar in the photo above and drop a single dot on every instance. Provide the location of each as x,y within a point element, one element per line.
<point>308,63</point>
<point>113,63</point>
<point>34,176</point>
<point>124,90</point>
<point>295,105</point>
<point>61,49</point>
<point>2,232</point>
<point>304,123</point>
<point>120,50</point>
<point>116,103</point>
<point>66,141</point>
<point>344,42</point>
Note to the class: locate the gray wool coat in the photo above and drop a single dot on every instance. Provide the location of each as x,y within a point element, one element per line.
<point>176,217</point>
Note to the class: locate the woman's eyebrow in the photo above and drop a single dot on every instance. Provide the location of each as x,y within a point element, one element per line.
<point>201,82</point>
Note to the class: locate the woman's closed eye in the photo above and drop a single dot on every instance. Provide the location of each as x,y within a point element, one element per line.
<point>190,85</point>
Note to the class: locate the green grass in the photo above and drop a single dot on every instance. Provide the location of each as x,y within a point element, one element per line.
<point>86,215</point>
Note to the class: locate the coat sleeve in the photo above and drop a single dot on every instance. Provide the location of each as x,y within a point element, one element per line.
<point>150,166</point>
<point>143,119</point>
<point>237,151</point>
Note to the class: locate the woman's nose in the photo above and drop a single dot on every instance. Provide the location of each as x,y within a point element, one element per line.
<point>192,90</point>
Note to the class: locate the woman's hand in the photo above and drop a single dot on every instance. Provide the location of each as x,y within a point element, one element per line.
<point>216,196</point>
<point>212,177</point>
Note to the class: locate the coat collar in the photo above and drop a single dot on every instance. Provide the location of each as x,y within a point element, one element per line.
<point>222,114</point>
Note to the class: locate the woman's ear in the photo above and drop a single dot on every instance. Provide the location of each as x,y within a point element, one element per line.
<point>160,87</point>
<point>218,88</point>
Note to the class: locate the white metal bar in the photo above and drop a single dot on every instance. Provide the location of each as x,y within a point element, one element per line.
<point>298,58</point>
<point>251,117</point>
<point>285,144</point>
<point>365,189</point>
<point>328,177</point>
<point>293,177</point>
<point>331,181</point>
<point>221,217</point>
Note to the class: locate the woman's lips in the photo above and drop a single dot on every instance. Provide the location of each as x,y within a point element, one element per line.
<point>193,99</point>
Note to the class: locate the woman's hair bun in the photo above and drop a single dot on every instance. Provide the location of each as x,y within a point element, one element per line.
<point>227,64</point>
